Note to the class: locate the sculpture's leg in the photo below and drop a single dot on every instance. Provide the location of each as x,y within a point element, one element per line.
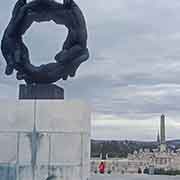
<point>71,69</point>
<point>78,61</point>
<point>21,58</point>
<point>66,56</point>
<point>17,55</point>
<point>20,75</point>
<point>8,43</point>
<point>10,65</point>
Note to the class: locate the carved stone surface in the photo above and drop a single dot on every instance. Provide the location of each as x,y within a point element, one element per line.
<point>74,50</point>
<point>40,91</point>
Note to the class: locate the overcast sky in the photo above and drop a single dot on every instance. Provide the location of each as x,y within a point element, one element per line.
<point>133,74</point>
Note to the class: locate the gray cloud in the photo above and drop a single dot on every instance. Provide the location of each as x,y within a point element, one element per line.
<point>133,72</point>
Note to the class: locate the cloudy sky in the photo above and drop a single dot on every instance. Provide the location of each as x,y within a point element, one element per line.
<point>133,74</point>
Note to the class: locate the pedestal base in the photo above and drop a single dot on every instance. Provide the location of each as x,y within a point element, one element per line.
<point>40,91</point>
<point>44,138</point>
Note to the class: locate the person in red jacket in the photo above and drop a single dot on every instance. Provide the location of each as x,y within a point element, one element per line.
<point>102,167</point>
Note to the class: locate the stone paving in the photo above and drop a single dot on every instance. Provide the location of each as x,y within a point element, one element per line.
<point>134,177</point>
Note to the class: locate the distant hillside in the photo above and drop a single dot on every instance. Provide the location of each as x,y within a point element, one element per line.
<point>121,149</point>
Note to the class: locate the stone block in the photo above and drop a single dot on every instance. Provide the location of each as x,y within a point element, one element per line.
<point>24,149</point>
<point>8,148</point>
<point>62,143</point>
<point>66,149</point>
<point>63,116</point>
<point>43,150</point>
<point>16,115</point>
<point>25,172</point>
<point>40,91</point>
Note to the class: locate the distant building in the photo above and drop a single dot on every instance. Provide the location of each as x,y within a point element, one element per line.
<point>162,129</point>
<point>163,147</point>
<point>139,161</point>
<point>158,139</point>
<point>144,159</point>
<point>162,134</point>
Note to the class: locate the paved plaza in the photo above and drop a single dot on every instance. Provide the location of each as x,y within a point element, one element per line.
<point>134,177</point>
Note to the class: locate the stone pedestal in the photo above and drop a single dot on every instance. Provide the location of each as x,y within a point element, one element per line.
<point>44,138</point>
<point>40,91</point>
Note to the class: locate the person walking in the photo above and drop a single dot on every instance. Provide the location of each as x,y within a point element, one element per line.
<point>102,168</point>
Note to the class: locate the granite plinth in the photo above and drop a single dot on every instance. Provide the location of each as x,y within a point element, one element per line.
<point>40,91</point>
<point>59,143</point>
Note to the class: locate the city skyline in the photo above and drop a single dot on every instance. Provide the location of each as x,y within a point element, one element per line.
<point>158,127</point>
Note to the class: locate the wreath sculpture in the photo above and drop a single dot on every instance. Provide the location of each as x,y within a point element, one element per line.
<point>74,50</point>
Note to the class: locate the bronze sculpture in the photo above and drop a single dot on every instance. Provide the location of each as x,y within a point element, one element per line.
<point>73,53</point>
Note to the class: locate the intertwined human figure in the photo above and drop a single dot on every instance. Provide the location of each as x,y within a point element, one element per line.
<point>74,50</point>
